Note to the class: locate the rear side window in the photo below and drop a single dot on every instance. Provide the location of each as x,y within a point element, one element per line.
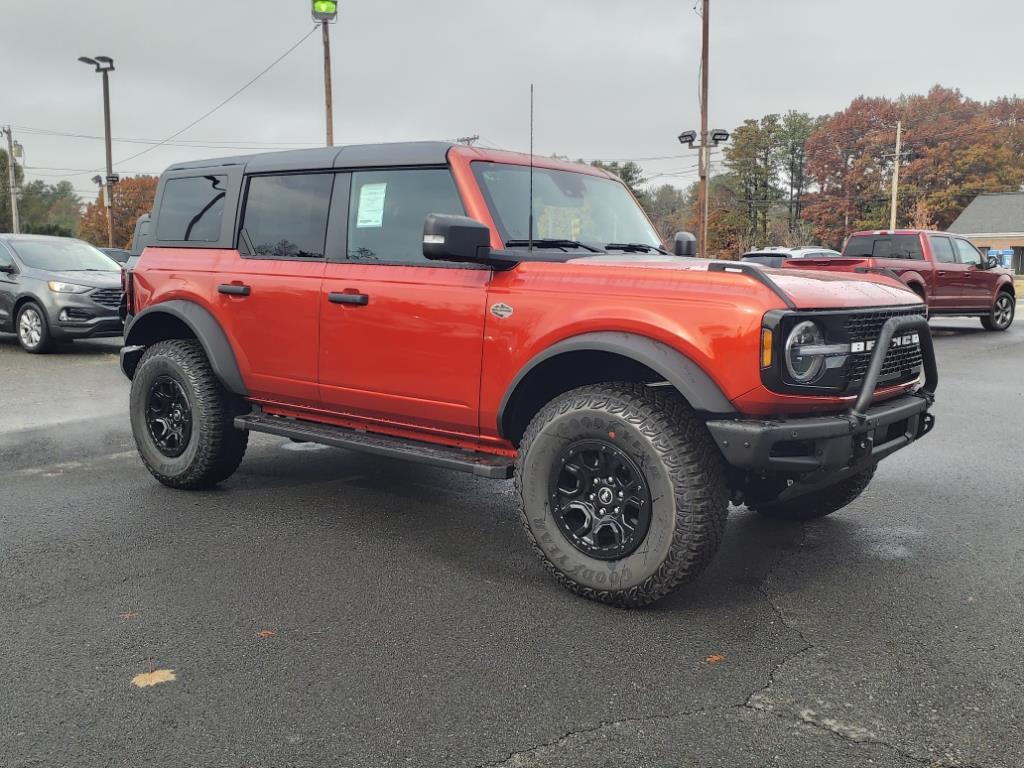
<point>387,209</point>
<point>192,209</point>
<point>942,249</point>
<point>286,216</point>
<point>885,247</point>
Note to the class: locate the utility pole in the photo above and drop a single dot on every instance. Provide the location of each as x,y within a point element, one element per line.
<point>705,150</point>
<point>105,65</point>
<point>325,11</point>
<point>469,141</point>
<point>895,175</point>
<point>15,227</point>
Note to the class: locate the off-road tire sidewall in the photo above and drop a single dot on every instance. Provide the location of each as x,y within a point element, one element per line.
<point>676,547</point>
<point>215,447</point>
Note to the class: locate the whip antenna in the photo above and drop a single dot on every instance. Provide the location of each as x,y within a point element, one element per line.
<point>530,241</point>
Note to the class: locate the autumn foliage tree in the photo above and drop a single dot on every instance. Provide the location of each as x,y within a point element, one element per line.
<point>133,196</point>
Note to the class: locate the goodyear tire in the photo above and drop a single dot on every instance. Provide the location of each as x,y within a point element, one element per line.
<point>819,503</point>
<point>182,417</point>
<point>1001,316</point>
<point>622,492</point>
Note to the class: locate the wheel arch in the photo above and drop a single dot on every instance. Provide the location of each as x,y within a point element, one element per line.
<point>593,358</point>
<point>180,319</point>
<point>1008,286</point>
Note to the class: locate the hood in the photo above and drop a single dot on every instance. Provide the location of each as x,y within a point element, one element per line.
<point>91,279</point>
<point>808,289</point>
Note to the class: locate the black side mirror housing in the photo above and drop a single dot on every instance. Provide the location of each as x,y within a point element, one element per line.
<point>684,244</point>
<point>447,237</point>
<point>8,269</point>
<point>991,262</point>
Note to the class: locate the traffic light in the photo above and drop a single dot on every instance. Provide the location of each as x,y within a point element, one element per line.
<point>325,10</point>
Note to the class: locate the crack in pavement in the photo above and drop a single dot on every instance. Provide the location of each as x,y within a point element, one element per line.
<point>507,762</point>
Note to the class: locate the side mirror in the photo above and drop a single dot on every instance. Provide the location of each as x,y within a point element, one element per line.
<point>7,269</point>
<point>684,244</point>
<point>990,262</point>
<point>456,238</point>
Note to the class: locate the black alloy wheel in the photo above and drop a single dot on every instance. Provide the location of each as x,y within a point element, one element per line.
<point>168,416</point>
<point>600,499</point>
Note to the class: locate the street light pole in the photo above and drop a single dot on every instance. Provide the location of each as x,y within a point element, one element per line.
<point>104,65</point>
<point>705,148</point>
<point>328,100</point>
<point>15,224</point>
<point>325,11</point>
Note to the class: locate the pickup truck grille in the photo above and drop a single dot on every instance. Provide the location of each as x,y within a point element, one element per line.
<point>902,363</point>
<point>107,297</point>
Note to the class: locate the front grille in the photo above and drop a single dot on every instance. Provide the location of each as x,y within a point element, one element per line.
<point>902,364</point>
<point>107,297</point>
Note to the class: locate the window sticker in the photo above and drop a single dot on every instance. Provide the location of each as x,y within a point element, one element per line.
<point>371,205</point>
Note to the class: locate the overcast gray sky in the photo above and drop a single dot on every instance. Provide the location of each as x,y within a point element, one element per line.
<point>614,78</point>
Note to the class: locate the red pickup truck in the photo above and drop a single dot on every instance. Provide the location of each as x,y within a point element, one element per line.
<point>945,270</point>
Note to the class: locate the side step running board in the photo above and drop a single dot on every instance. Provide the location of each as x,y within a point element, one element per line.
<point>480,464</point>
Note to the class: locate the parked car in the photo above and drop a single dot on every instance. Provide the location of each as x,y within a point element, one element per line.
<point>774,256</point>
<point>120,255</point>
<point>945,270</point>
<point>57,289</point>
<point>416,301</point>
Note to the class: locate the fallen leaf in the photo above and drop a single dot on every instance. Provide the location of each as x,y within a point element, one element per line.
<point>129,615</point>
<point>147,679</point>
<point>714,658</point>
<point>266,633</point>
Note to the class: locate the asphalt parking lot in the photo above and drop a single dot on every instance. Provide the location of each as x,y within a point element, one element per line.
<point>324,608</point>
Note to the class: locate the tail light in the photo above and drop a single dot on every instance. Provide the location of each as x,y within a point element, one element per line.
<point>128,288</point>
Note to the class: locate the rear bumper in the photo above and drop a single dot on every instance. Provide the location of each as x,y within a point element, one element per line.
<point>865,434</point>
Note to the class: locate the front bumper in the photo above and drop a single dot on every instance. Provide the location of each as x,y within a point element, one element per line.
<point>78,316</point>
<point>865,434</point>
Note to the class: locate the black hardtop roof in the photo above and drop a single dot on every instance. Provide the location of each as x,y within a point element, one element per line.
<point>351,156</point>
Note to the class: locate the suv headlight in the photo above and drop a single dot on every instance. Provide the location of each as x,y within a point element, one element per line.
<point>805,352</point>
<point>58,287</point>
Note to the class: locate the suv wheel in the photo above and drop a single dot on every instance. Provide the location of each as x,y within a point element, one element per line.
<point>182,417</point>
<point>622,492</point>
<point>1002,313</point>
<point>33,330</point>
<point>818,503</point>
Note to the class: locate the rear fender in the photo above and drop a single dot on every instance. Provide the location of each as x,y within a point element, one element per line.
<point>178,319</point>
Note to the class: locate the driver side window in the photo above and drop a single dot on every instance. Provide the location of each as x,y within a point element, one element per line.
<point>5,259</point>
<point>967,253</point>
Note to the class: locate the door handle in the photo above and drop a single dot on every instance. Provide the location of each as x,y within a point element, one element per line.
<point>941,273</point>
<point>358,299</point>
<point>234,289</point>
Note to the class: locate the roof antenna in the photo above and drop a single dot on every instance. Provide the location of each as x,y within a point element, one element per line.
<point>530,242</point>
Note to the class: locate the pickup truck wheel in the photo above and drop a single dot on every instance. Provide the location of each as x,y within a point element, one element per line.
<point>182,417</point>
<point>818,503</point>
<point>1002,313</point>
<point>622,492</point>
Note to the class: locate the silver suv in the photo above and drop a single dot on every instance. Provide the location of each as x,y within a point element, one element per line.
<point>773,256</point>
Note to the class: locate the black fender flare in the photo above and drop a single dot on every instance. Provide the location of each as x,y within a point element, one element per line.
<point>686,376</point>
<point>204,327</point>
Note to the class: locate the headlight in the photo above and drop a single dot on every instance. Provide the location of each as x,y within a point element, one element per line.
<point>805,352</point>
<point>58,287</point>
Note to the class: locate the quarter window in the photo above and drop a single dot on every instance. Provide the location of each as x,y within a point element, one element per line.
<point>192,209</point>
<point>286,216</point>
<point>967,253</point>
<point>387,210</point>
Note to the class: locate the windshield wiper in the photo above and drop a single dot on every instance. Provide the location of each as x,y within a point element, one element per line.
<point>551,243</point>
<point>634,248</point>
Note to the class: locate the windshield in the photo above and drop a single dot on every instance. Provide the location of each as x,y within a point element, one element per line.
<point>63,256</point>
<point>567,206</point>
